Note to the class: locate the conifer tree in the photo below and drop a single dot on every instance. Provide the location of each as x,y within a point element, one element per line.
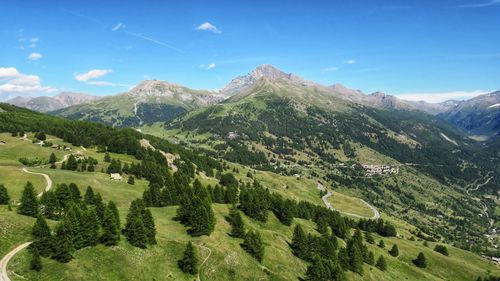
<point>73,221</point>
<point>64,195</point>
<point>369,238</point>
<point>114,210</point>
<point>75,192</point>
<point>189,261</point>
<point>370,259</point>
<point>62,244</point>
<point>299,242</point>
<point>381,264</point>
<point>394,251</point>
<point>134,230</point>
<point>441,249</point>
<point>131,180</point>
<point>29,203</point>
<point>149,225</point>
<point>322,226</point>
<point>4,196</point>
<point>420,261</point>
<point>90,228</point>
<point>111,232</point>
<point>107,158</point>
<point>89,196</point>
<point>324,270</point>
<point>253,245</point>
<point>236,221</point>
<point>343,258</point>
<point>36,262</point>
<point>42,238</point>
<point>52,158</point>
<point>71,163</point>
<point>49,205</point>
<point>381,244</point>
<point>99,207</point>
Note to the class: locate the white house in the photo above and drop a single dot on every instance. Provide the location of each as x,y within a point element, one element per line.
<point>116,177</point>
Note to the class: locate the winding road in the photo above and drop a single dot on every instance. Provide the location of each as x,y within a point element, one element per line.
<point>5,260</point>
<point>47,178</point>
<point>202,263</point>
<point>376,213</point>
<point>485,208</point>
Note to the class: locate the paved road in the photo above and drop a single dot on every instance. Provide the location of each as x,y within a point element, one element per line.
<point>376,214</point>
<point>5,261</point>
<point>47,178</point>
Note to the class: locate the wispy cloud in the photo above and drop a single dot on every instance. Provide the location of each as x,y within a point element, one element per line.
<point>154,41</point>
<point>118,27</point>
<point>92,74</point>
<point>480,5</point>
<point>208,67</point>
<point>206,26</point>
<point>34,56</point>
<point>350,61</point>
<point>331,69</point>
<point>441,96</point>
<point>123,26</point>
<point>13,83</point>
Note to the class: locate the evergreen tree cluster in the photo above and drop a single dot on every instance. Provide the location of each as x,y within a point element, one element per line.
<point>379,226</point>
<point>4,195</point>
<point>140,227</point>
<point>441,249</point>
<point>79,227</point>
<point>82,164</point>
<point>195,210</point>
<point>253,245</point>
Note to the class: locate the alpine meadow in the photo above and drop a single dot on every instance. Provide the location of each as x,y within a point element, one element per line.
<point>218,140</point>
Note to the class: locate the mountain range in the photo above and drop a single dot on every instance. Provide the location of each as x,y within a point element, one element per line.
<point>153,100</point>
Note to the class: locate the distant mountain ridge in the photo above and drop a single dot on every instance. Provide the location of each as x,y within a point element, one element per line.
<point>46,103</point>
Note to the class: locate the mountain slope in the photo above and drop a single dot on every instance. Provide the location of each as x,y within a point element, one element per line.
<point>46,104</point>
<point>479,115</point>
<point>150,101</point>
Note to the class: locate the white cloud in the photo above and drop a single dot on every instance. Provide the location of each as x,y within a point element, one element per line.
<point>35,56</point>
<point>206,26</point>
<point>440,97</point>
<point>34,40</point>
<point>118,27</point>
<point>350,62</point>
<point>92,74</point>
<point>331,69</point>
<point>208,67</point>
<point>13,83</point>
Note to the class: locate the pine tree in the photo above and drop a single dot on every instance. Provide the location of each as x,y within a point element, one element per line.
<point>41,136</point>
<point>253,245</point>
<point>89,196</point>
<point>52,158</point>
<point>4,196</point>
<point>134,230</point>
<point>71,163</point>
<point>299,243</point>
<point>107,158</point>
<point>149,225</point>
<point>29,203</point>
<point>381,264</point>
<point>369,238</point>
<point>50,206</point>
<point>73,221</point>
<point>90,228</point>
<point>343,257</point>
<point>131,180</point>
<point>62,244</point>
<point>114,210</point>
<point>42,238</point>
<point>355,258</point>
<point>236,221</point>
<point>381,244</point>
<point>64,195</point>
<point>189,261</point>
<point>426,244</point>
<point>324,270</point>
<point>111,232</point>
<point>420,261</point>
<point>394,251</point>
<point>75,192</point>
<point>370,259</point>
<point>441,249</point>
<point>99,207</point>
<point>36,262</point>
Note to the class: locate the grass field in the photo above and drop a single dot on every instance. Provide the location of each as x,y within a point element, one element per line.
<point>227,260</point>
<point>350,205</point>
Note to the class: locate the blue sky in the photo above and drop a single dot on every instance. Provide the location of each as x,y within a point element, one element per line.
<point>417,49</point>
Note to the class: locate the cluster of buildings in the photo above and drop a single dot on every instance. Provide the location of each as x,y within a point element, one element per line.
<point>373,170</point>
